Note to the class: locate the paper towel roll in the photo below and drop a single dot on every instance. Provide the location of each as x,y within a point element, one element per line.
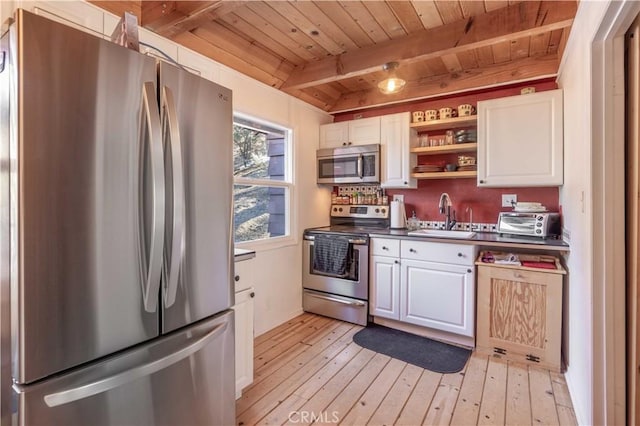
<point>398,215</point>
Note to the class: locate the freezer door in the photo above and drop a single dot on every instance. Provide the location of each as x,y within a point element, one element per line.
<point>85,197</point>
<point>186,378</point>
<point>197,123</point>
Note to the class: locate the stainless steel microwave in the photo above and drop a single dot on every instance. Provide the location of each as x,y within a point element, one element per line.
<point>353,164</point>
<point>543,225</point>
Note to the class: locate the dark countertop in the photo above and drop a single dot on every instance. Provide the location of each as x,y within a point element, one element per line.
<point>243,254</point>
<point>489,239</point>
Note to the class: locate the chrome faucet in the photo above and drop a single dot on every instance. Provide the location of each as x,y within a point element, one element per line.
<point>445,208</point>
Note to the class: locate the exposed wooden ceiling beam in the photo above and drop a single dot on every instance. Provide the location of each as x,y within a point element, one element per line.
<point>521,20</point>
<point>179,17</point>
<point>485,77</point>
<point>200,45</point>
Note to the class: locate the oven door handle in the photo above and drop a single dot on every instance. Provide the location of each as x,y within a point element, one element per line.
<point>357,242</point>
<point>333,299</point>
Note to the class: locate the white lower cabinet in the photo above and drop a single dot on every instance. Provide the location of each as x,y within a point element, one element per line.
<point>385,294</point>
<point>244,339</point>
<point>424,283</point>
<point>438,295</point>
<point>244,312</point>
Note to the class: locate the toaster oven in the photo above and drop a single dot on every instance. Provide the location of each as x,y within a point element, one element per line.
<point>542,225</point>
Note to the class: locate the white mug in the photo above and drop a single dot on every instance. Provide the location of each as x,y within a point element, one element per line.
<point>418,116</point>
<point>431,114</point>
<point>465,110</point>
<point>446,113</point>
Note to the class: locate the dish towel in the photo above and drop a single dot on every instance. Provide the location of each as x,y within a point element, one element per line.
<point>331,255</point>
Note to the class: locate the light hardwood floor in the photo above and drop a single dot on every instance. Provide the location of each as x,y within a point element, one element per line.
<point>309,370</point>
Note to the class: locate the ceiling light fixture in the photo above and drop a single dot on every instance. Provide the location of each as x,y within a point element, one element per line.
<point>391,84</point>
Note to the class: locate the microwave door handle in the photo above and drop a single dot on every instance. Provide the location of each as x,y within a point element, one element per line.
<point>360,166</point>
<point>175,247</point>
<point>151,258</point>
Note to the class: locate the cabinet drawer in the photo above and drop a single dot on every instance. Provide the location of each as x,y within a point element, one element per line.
<point>385,247</point>
<point>243,275</point>
<point>457,254</point>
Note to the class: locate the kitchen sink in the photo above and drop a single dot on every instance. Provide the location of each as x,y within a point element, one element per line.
<point>441,233</point>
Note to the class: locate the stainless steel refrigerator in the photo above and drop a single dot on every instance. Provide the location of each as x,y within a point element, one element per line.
<point>115,233</point>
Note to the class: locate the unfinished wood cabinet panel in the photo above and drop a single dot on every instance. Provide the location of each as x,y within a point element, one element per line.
<point>520,313</point>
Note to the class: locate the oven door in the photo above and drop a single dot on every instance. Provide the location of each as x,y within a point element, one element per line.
<point>356,284</point>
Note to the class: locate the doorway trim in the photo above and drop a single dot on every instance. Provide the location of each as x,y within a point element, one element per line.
<point>608,204</point>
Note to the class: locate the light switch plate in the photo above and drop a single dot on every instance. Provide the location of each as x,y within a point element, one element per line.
<point>508,200</point>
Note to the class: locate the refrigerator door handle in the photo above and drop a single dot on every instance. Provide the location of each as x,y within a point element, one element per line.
<point>151,260</point>
<point>144,369</point>
<point>174,249</point>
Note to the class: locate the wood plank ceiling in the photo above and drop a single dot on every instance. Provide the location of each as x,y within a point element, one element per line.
<point>330,53</point>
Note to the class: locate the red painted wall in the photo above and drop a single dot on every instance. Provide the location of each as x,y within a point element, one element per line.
<point>485,202</point>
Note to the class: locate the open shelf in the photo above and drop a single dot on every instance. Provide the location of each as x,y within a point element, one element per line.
<point>445,175</point>
<point>447,123</point>
<point>444,149</point>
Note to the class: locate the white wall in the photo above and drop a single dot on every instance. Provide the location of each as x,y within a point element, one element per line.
<point>278,268</point>
<point>575,81</point>
<point>593,209</point>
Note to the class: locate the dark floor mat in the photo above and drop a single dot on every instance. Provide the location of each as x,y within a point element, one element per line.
<point>417,350</point>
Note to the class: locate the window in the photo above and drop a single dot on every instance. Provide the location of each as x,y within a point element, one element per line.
<point>262,180</point>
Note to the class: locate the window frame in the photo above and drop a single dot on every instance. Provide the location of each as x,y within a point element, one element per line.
<point>287,183</point>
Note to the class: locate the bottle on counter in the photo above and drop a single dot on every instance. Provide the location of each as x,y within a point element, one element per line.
<point>413,222</point>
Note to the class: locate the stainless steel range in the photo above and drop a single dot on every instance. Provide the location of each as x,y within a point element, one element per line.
<point>335,266</point>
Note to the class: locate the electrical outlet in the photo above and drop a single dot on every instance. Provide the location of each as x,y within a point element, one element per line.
<point>398,197</point>
<point>508,200</point>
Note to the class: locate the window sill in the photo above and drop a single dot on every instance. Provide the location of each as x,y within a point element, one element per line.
<point>268,243</point>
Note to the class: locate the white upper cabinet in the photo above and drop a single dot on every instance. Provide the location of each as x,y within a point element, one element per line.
<point>355,132</point>
<point>333,135</point>
<point>76,14</point>
<point>364,131</point>
<point>520,140</point>
<point>198,64</point>
<point>397,139</point>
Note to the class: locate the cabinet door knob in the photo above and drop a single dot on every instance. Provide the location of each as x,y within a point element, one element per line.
<point>252,295</point>
<point>481,181</point>
<point>385,248</point>
<point>460,254</point>
<point>412,250</point>
<point>237,278</point>
<point>396,261</point>
<point>469,271</point>
<point>406,183</point>
<point>344,144</point>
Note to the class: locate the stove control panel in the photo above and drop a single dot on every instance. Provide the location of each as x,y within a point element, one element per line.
<point>360,211</point>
